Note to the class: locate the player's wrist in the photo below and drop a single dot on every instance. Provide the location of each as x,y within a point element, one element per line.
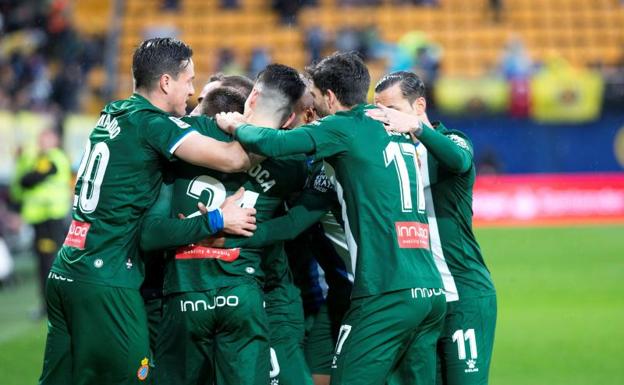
<point>215,220</point>
<point>236,129</point>
<point>417,128</point>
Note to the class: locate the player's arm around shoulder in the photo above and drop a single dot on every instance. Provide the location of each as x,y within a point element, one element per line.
<point>265,140</point>
<point>207,152</point>
<point>174,138</point>
<point>451,148</point>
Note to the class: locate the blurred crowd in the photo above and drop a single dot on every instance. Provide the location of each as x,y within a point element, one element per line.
<point>43,60</point>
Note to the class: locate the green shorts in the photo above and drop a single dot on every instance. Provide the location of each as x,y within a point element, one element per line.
<point>319,343</point>
<point>96,335</point>
<point>382,333</point>
<point>465,346</point>
<point>285,311</point>
<point>153,308</point>
<point>218,336</point>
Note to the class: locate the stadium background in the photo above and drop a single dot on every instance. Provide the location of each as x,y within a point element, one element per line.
<point>537,84</point>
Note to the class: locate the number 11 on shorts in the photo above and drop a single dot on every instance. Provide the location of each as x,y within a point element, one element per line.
<point>461,336</point>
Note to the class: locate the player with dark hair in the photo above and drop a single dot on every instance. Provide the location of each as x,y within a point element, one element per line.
<point>94,282</point>
<point>397,308</point>
<point>214,326</point>
<point>241,83</point>
<point>448,171</point>
<point>222,99</point>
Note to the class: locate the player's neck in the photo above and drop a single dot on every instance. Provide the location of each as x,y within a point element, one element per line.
<point>338,107</point>
<point>263,120</point>
<point>156,99</point>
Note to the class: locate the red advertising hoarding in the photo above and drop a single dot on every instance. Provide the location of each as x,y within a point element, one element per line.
<point>548,199</point>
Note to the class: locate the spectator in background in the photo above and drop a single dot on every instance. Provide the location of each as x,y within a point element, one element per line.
<point>229,4</point>
<point>488,163</point>
<point>496,6</point>
<point>315,41</point>
<point>359,2</point>
<point>427,66</point>
<point>516,62</point>
<point>517,67</point>
<point>41,187</point>
<point>260,58</point>
<point>348,39</point>
<point>66,87</point>
<point>227,63</point>
<point>417,2</point>
<point>171,5</point>
<point>287,10</point>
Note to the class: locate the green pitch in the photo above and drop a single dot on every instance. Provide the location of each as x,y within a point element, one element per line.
<point>561,309</point>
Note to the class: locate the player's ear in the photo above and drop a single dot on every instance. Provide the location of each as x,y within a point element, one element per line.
<point>288,122</point>
<point>165,83</point>
<point>420,105</point>
<point>253,98</point>
<point>331,100</point>
<point>309,115</point>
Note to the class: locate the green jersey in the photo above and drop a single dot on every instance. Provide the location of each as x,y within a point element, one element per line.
<point>118,180</point>
<point>198,268</point>
<point>448,177</point>
<point>378,185</point>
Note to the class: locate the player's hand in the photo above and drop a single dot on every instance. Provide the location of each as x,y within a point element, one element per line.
<point>398,121</point>
<point>202,209</point>
<point>238,220</point>
<point>229,121</point>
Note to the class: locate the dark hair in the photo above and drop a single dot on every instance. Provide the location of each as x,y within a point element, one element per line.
<point>411,86</point>
<point>242,83</point>
<point>284,79</point>
<point>222,99</point>
<point>156,57</point>
<point>345,74</point>
<point>216,77</point>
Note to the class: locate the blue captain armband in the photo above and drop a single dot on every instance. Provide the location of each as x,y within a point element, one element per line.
<point>215,220</point>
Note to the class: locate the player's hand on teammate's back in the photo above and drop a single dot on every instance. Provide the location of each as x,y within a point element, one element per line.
<point>238,220</point>
<point>397,121</point>
<point>229,121</point>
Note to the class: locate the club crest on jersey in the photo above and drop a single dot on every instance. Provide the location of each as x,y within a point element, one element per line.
<point>143,369</point>
<point>179,123</point>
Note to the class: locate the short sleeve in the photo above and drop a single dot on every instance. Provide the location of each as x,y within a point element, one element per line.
<point>330,135</point>
<point>166,133</point>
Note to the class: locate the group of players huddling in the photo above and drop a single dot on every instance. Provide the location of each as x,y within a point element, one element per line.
<point>174,270</point>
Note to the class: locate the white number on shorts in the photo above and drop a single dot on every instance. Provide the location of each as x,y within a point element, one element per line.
<point>216,194</point>
<point>91,174</point>
<point>461,337</point>
<point>396,153</point>
<point>275,368</point>
<point>342,337</point>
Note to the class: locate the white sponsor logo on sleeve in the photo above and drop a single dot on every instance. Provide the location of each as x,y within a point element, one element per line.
<point>461,142</point>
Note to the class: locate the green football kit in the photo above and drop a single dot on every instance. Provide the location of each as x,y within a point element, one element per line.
<point>95,279</point>
<point>214,299</point>
<point>383,207</point>
<point>465,345</point>
<point>286,322</point>
<point>317,202</point>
